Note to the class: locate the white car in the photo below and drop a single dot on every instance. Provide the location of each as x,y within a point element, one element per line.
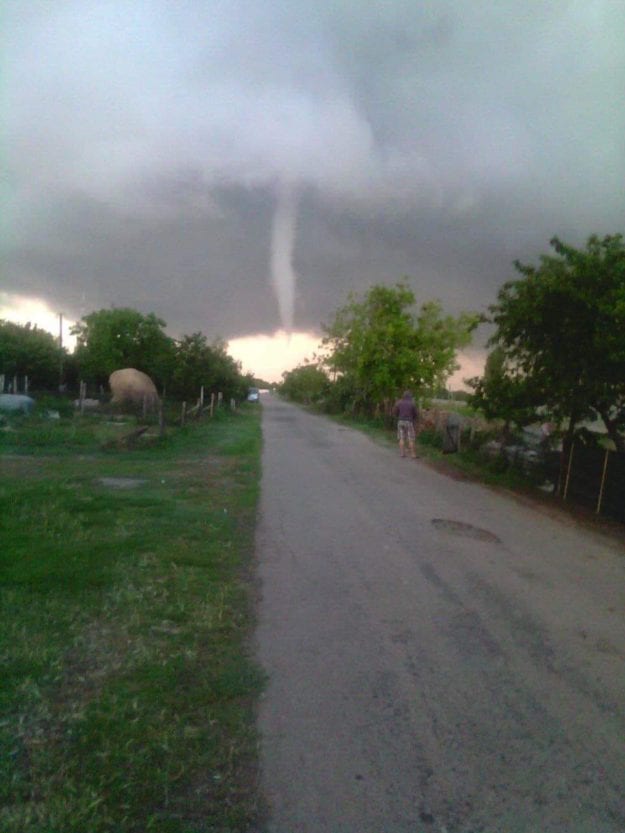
<point>253,395</point>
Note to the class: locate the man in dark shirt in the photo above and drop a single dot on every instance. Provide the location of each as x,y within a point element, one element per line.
<point>406,412</point>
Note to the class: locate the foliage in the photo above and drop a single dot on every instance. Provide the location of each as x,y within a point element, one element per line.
<point>461,396</point>
<point>307,383</point>
<point>197,364</point>
<point>342,396</point>
<point>114,338</point>
<point>382,347</point>
<point>29,351</point>
<point>111,339</point>
<point>503,393</point>
<point>561,328</point>
<point>262,384</point>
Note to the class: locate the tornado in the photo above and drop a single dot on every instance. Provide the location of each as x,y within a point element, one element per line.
<point>283,229</point>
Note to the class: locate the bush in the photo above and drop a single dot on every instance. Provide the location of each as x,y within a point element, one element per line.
<point>432,438</point>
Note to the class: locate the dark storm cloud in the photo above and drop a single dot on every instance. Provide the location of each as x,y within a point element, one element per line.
<point>148,143</point>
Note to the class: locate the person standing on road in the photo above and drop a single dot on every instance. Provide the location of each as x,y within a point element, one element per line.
<point>406,412</point>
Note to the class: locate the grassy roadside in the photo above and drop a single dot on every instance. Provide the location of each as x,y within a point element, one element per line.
<point>128,688</point>
<point>467,462</point>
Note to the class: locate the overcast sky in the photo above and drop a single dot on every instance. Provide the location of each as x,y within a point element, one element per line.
<point>238,167</point>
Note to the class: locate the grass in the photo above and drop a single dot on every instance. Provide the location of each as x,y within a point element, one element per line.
<point>129,686</point>
<point>471,462</point>
<point>37,434</point>
<point>496,471</point>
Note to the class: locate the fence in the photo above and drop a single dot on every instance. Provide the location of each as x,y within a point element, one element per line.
<point>595,478</point>
<point>13,384</point>
<point>590,477</point>
<point>17,384</point>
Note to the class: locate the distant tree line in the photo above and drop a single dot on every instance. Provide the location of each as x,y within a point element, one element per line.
<point>110,339</point>
<point>557,350</point>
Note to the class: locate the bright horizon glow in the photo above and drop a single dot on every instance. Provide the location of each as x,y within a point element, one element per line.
<point>268,356</point>
<point>265,356</point>
<point>471,364</point>
<point>21,309</point>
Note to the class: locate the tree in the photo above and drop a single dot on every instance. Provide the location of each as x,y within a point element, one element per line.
<point>306,383</point>
<point>379,346</point>
<point>263,384</point>
<point>197,364</point>
<point>228,378</point>
<point>111,339</point>
<point>503,393</point>
<point>561,328</point>
<point>26,350</point>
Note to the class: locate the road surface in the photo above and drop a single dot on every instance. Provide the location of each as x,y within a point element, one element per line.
<point>440,657</point>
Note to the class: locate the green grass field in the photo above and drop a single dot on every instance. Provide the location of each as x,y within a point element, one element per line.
<point>128,686</point>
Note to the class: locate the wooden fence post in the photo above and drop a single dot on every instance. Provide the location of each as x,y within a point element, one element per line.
<point>233,405</point>
<point>568,472</point>
<point>81,397</point>
<point>202,397</point>
<point>212,408</point>
<point>15,384</point>
<point>26,384</point>
<point>603,475</point>
<point>1,382</point>
<point>220,397</point>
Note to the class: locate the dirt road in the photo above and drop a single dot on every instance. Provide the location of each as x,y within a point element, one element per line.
<point>441,657</point>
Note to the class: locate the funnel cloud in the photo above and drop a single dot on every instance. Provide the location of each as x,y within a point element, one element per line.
<point>282,242</point>
<point>180,158</point>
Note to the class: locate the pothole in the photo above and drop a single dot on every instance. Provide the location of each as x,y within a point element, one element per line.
<point>465,530</point>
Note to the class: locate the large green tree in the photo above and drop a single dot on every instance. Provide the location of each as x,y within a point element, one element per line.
<point>200,364</point>
<point>561,327</point>
<point>26,350</point>
<point>378,344</point>
<point>111,339</point>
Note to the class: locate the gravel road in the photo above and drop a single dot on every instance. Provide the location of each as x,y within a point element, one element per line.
<point>441,657</point>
